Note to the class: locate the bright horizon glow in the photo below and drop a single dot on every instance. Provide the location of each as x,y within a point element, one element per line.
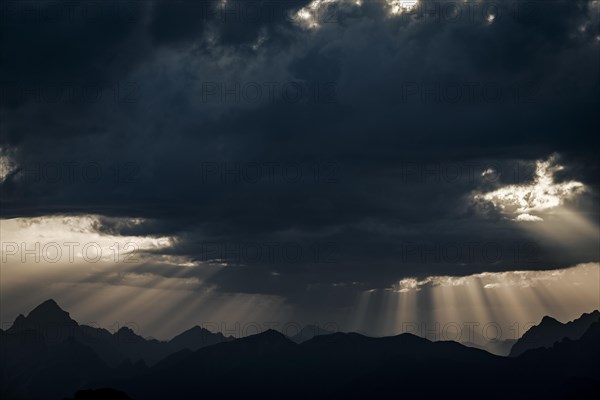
<point>512,301</point>
<point>167,294</point>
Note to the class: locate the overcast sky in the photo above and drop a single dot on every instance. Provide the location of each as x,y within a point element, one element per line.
<point>284,159</point>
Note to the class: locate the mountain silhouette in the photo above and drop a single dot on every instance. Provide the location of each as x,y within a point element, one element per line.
<point>350,365</point>
<point>52,325</point>
<point>271,365</point>
<point>196,338</point>
<point>48,334</point>
<point>30,369</point>
<point>550,331</point>
<point>47,316</point>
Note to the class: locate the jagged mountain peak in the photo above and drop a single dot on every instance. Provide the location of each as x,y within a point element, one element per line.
<point>47,314</point>
<point>550,331</point>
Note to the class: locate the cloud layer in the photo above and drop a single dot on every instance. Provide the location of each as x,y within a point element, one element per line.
<point>341,155</point>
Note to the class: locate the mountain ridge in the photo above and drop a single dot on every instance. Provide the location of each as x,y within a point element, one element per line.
<point>347,364</point>
<point>550,331</point>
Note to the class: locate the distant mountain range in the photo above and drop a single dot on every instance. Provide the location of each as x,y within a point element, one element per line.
<point>48,355</point>
<point>54,325</point>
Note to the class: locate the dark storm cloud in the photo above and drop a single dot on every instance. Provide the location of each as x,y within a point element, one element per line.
<point>346,155</point>
<point>47,44</point>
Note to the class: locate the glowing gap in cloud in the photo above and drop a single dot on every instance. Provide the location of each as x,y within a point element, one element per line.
<point>7,165</point>
<point>60,238</point>
<point>491,280</point>
<point>540,195</point>
<point>320,12</point>
<point>399,6</point>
